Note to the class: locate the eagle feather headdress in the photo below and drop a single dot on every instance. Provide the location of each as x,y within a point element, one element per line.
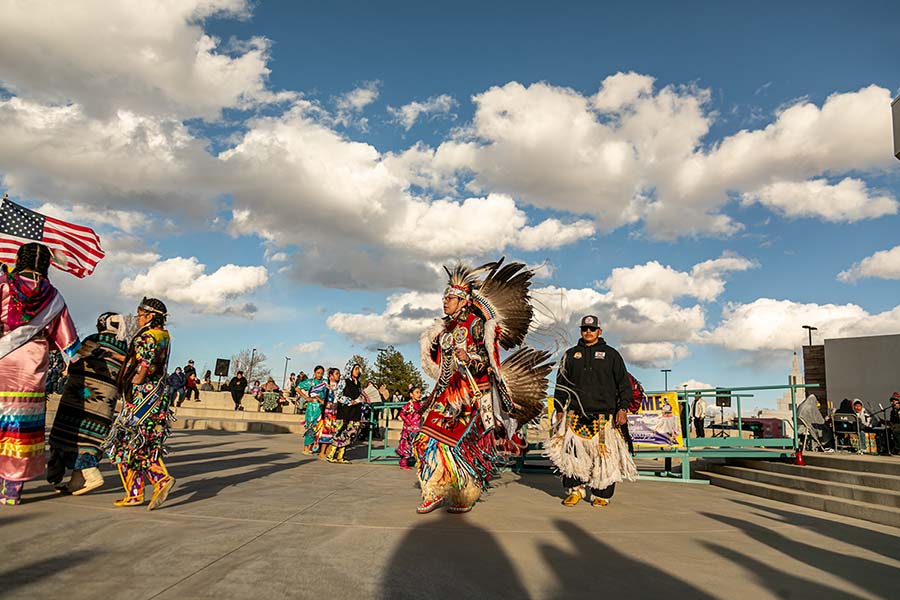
<point>500,295</point>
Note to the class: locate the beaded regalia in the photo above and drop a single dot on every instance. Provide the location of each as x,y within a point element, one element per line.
<point>473,417</point>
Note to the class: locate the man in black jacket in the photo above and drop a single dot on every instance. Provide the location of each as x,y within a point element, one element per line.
<point>592,386</point>
<point>237,386</point>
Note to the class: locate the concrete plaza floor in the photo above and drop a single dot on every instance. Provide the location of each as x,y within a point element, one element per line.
<point>251,517</point>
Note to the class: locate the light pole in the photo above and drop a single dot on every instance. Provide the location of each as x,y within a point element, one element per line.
<point>810,328</point>
<point>665,373</point>
<point>287,359</point>
<point>250,369</point>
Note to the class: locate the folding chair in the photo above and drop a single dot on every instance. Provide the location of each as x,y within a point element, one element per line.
<point>845,427</point>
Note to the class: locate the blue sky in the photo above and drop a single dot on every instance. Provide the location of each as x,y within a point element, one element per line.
<point>252,108</point>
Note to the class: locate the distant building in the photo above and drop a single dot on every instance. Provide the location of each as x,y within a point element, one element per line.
<point>867,368</point>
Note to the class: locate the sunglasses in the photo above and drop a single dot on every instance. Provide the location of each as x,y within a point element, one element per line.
<point>590,329</point>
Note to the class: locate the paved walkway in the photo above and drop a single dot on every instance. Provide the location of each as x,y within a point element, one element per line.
<point>253,518</point>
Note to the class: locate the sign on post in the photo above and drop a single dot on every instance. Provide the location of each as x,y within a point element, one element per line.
<point>658,423</point>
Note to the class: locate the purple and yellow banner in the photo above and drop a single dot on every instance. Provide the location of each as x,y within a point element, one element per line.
<point>658,423</point>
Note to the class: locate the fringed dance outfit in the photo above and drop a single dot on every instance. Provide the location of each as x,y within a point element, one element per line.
<point>316,389</point>
<point>477,404</point>
<point>347,413</point>
<point>586,447</point>
<point>33,319</point>
<point>411,418</point>
<point>86,408</point>
<point>136,443</point>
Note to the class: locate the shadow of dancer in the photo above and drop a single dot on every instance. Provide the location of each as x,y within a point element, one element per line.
<point>38,572</point>
<point>874,539</point>
<point>595,566</point>
<point>449,557</point>
<point>867,574</point>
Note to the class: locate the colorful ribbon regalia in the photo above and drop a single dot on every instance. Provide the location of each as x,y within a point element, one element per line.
<point>474,415</point>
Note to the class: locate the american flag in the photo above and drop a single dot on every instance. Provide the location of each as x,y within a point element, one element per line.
<point>76,249</point>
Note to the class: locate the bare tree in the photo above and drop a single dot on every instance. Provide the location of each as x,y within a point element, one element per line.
<point>252,364</point>
<point>131,325</point>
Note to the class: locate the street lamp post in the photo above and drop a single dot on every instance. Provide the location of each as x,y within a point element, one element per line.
<point>666,372</point>
<point>287,359</point>
<point>810,328</point>
<point>250,368</point>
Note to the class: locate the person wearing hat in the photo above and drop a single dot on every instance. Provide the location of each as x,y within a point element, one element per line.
<point>190,374</point>
<point>589,444</point>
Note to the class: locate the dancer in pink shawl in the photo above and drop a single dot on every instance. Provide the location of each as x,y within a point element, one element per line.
<point>412,421</point>
<point>33,320</point>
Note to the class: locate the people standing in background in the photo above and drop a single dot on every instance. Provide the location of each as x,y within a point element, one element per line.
<point>348,415</point>
<point>237,386</point>
<point>33,319</point>
<point>191,386</point>
<point>698,412</point>
<point>325,431</point>
<point>177,381</point>
<point>411,417</point>
<point>313,392</point>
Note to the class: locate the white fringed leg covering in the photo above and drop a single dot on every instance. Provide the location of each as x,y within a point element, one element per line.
<point>581,458</point>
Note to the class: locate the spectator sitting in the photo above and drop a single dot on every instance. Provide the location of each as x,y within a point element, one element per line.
<point>846,407</point>
<point>894,420</point>
<point>255,389</point>
<point>206,384</point>
<point>865,421</point>
<point>271,399</point>
<point>176,382</point>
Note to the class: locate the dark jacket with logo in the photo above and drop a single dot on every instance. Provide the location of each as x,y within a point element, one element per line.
<point>593,380</point>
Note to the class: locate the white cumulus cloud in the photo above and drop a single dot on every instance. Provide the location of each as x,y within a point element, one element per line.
<point>306,348</point>
<point>847,201</point>
<point>884,264</point>
<point>184,280</point>
<point>769,324</point>
<point>408,114</point>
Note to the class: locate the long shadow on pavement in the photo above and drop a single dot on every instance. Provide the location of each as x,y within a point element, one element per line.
<point>448,557</point>
<point>189,457</point>
<point>254,467</point>
<point>867,574</point>
<point>887,545</point>
<point>594,566</point>
<point>19,577</point>
<point>781,584</point>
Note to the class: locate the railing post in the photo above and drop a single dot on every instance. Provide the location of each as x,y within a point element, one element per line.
<point>794,415</point>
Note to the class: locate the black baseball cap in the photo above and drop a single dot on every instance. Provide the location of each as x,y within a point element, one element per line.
<point>590,321</point>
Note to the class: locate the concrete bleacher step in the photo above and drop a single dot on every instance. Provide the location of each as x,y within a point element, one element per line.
<point>218,413</point>
<point>872,480</point>
<point>237,425</point>
<point>814,486</point>
<point>886,465</point>
<point>885,515</point>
